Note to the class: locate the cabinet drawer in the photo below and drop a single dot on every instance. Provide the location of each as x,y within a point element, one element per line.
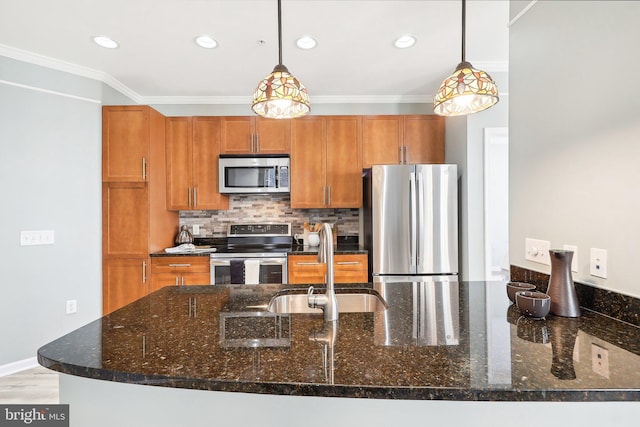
<point>350,268</point>
<point>178,264</point>
<point>305,269</point>
<point>346,268</point>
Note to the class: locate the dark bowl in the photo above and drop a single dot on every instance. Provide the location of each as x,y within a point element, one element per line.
<point>533,304</point>
<point>513,287</point>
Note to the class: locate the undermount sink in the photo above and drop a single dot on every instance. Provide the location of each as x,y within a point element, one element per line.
<point>352,300</point>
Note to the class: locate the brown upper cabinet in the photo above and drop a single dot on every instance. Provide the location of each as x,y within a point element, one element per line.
<point>126,132</point>
<point>255,135</point>
<point>326,162</point>
<point>193,146</point>
<point>402,139</point>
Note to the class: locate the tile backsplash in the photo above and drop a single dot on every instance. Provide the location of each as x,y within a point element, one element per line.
<point>248,208</point>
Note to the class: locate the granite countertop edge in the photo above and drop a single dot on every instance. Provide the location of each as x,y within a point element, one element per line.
<point>347,391</point>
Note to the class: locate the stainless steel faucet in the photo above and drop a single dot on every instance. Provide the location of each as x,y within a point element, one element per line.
<point>327,301</point>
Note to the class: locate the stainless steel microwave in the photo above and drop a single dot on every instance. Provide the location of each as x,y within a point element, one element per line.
<point>253,174</point>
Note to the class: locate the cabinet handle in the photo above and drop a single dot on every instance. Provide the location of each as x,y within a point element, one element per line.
<point>144,272</point>
<point>195,200</point>
<point>188,197</point>
<point>182,281</point>
<point>252,144</point>
<point>347,262</point>
<point>179,265</point>
<point>329,195</point>
<point>324,195</point>
<point>307,263</point>
<point>406,154</point>
<point>176,280</point>
<point>257,143</point>
<point>144,169</point>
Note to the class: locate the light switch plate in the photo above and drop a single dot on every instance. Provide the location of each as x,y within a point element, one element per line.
<point>36,237</point>
<point>598,263</point>
<point>574,260</point>
<point>537,250</point>
<point>196,229</point>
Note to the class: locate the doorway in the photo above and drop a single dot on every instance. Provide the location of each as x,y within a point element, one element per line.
<point>496,203</point>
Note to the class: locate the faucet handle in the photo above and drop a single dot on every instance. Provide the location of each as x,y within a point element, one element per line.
<point>311,301</point>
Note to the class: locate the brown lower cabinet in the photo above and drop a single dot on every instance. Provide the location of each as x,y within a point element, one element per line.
<point>127,280</point>
<point>347,268</point>
<point>179,271</point>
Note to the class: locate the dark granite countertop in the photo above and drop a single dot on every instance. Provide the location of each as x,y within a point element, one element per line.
<point>340,249</point>
<point>434,342</point>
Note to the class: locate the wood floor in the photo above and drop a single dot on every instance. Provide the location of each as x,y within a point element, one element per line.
<point>37,385</point>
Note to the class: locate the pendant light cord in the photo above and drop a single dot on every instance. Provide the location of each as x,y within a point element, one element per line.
<point>464,7</point>
<point>280,33</point>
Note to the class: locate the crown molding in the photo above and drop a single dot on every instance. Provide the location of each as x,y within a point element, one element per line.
<point>79,70</point>
<point>68,67</point>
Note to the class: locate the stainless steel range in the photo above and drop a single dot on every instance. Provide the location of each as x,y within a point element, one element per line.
<point>255,254</point>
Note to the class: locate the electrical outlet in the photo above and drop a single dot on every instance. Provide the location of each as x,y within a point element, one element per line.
<point>72,306</point>
<point>196,229</point>
<point>574,260</point>
<point>598,263</point>
<point>537,250</point>
<point>600,360</point>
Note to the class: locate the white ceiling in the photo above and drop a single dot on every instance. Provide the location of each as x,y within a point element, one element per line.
<point>355,58</point>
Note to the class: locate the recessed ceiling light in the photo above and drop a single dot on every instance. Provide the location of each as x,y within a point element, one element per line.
<point>306,42</point>
<point>206,41</point>
<point>105,41</point>
<point>404,42</point>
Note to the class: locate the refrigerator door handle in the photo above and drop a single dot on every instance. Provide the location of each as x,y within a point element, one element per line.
<point>420,197</point>
<point>412,223</point>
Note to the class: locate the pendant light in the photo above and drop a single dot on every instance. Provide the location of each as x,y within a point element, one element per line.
<point>280,95</point>
<point>467,90</point>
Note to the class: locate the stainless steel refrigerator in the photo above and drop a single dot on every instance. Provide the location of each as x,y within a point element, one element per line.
<point>410,219</point>
<point>410,228</point>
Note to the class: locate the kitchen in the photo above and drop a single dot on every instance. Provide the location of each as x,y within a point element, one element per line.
<point>65,175</point>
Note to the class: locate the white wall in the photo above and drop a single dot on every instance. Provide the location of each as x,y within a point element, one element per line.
<point>574,134</point>
<point>465,147</point>
<point>50,139</point>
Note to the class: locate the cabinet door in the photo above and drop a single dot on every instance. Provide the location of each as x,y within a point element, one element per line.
<point>308,160</point>
<point>424,138</point>
<point>381,140</point>
<point>302,269</point>
<point>272,136</point>
<point>125,143</point>
<point>179,135</point>
<point>206,148</point>
<point>350,268</point>
<point>123,281</point>
<point>125,220</point>
<point>344,162</point>
<point>237,135</point>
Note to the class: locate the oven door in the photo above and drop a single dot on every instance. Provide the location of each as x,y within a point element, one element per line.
<point>248,270</point>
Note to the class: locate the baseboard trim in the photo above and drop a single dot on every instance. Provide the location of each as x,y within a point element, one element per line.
<point>20,365</point>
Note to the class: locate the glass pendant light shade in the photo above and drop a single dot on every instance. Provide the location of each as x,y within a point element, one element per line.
<point>281,96</point>
<point>466,91</point>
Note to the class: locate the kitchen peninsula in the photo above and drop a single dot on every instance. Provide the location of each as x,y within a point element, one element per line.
<point>214,355</point>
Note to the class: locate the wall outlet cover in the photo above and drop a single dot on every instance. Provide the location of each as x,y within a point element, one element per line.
<point>598,263</point>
